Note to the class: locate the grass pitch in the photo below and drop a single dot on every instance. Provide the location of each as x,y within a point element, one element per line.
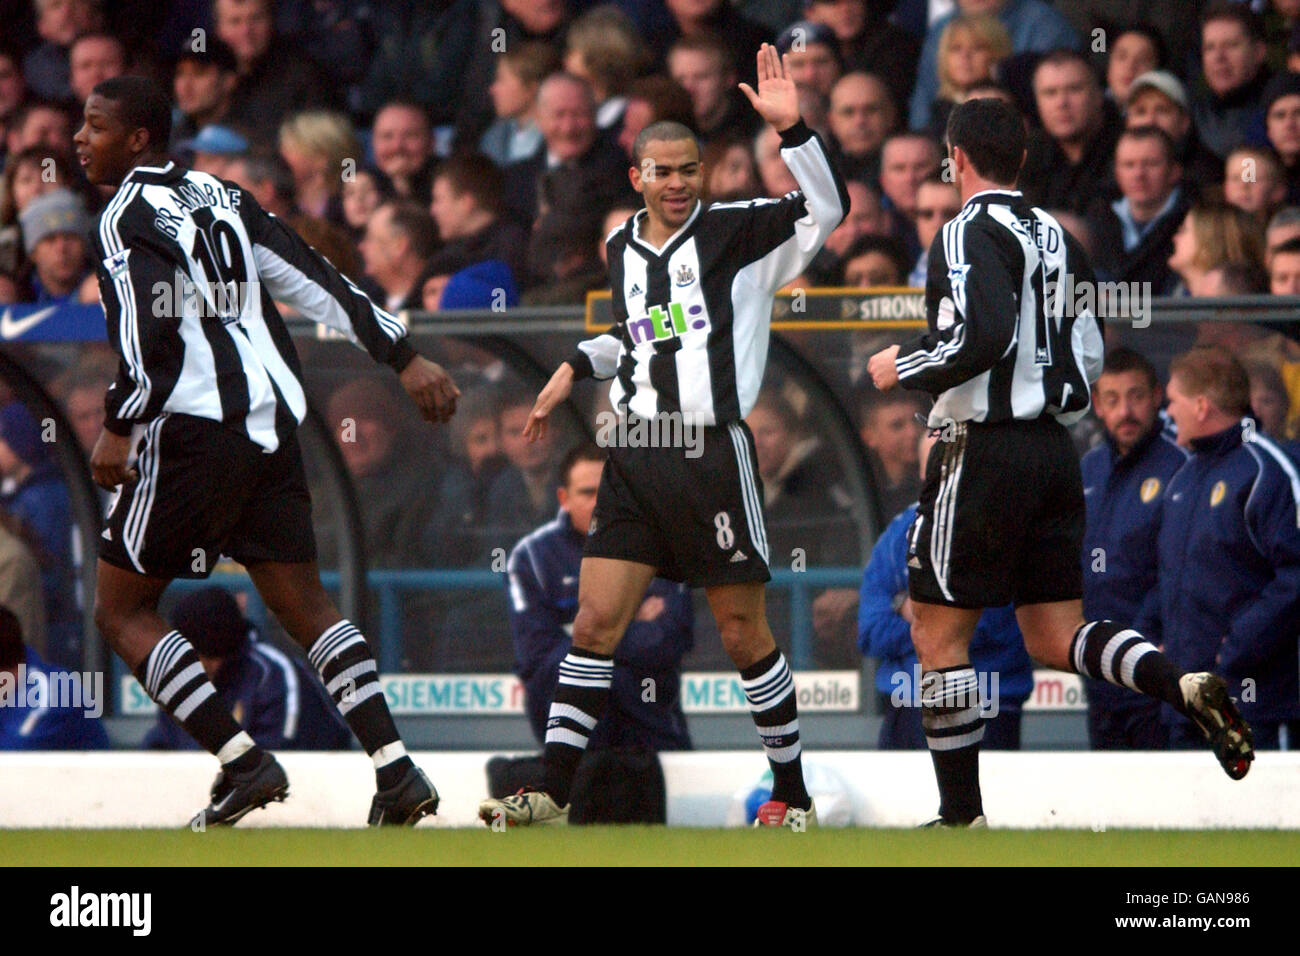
<point>647,846</point>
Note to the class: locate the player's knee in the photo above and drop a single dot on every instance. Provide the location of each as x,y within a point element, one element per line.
<point>595,629</point>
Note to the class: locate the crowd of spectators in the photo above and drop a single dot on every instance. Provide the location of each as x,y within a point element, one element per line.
<point>473,154</point>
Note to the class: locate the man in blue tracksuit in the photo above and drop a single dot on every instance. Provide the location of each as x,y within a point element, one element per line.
<point>273,696</point>
<point>40,707</point>
<point>1229,552</point>
<point>1004,669</point>
<point>644,711</point>
<point>1123,478</point>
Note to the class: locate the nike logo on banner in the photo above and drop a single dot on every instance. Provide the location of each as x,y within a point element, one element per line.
<point>11,328</point>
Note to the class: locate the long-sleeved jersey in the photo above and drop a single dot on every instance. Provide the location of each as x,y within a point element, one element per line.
<point>190,268</point>
<point>1013,334</point>
<point>692,320</point>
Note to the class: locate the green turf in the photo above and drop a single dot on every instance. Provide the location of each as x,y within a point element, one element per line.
<point>637,846</point>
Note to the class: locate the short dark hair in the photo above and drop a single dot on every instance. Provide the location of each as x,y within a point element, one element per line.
<point>1242,278</point>
<point>661,131</point>
<point>583,451</point>
<point>414,222</point>
<point>1062,56</point>
<point>263,167</point>
<point>1153,132</point>
<point>1251,23</point>
<point>668,99</point>
<point>889,246</point>
<point>1152,35</point>
<point>992,134</point>
<point>142,105</point>
<point>1291,246</point>
<point>477,175</point>
<point>871,400</point>
<point>1119,360</point>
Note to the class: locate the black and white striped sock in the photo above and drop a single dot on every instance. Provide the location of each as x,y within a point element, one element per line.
<point>344,662</point>
<point>580,699</point>
<point>954,727</point>
<point>1108,651</point>
<point>769,689</point>
<point>174,677</point>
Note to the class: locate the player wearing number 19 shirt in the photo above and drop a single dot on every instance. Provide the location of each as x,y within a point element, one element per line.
<point>208,396</point>
<point>693,288</point>
<point>1012,350</point>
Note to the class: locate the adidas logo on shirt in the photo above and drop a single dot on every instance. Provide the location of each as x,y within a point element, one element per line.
<point>739,556</point>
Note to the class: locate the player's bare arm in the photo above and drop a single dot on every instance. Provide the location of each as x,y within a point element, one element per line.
<point>881,368</point>
<point>431,388</point>
<point>108,460</point>
<point>556,391</point>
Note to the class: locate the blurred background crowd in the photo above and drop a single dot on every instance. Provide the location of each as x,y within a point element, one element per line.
<point>452,154</point>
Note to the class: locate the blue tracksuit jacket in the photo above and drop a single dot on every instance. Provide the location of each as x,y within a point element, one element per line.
<point>543,583</point>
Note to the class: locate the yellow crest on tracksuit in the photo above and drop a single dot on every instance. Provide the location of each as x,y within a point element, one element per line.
<point>1150,488</point>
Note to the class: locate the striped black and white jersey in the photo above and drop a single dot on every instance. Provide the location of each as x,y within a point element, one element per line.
<point>692,320</point>
<point>1013,334</point>
<point>190,268</point>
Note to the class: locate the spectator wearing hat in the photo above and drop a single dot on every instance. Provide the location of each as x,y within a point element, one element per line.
<point>1034,27</point>
<point>277,699</point>
<point>32,719</point>
<point>1282,126</point>
<point>54,227</point>
<point>203,84</point>
<point>812,55</point>
<point>1233,54</point>
<point>1158,98</point>
<point>869,42</point>
<point>35,495</point>
<point>1133,235</point>
<point>214,148</point>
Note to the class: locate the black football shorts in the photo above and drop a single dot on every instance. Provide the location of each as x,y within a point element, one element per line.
<point>1000,518</point>
<point>205,490</point>
<point>698,520</point>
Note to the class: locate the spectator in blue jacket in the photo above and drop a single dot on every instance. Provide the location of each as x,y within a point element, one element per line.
<point>276,698</point>
<point>644,711</point>
<point>30,717</point>
<point>1006,673</point>
<point>1123,478</point>
<point>1229,552</point>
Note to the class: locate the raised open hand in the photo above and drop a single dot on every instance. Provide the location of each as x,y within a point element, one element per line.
<point>777,100</point>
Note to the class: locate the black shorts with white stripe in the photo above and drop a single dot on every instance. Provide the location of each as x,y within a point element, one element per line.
<point>205,490</point>
<point>1000,518</point>
<point>697,519</point>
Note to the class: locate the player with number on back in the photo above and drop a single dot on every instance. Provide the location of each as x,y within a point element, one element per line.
<point>1010,363</point>
<point>209,396</point>
<point>693,289</point>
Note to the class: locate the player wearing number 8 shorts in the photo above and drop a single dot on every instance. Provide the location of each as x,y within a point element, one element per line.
<point>692,301</point>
